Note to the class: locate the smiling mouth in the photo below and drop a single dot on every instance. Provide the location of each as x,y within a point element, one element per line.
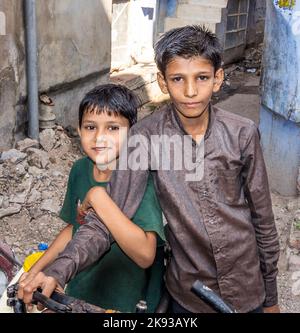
<point>99,149</point>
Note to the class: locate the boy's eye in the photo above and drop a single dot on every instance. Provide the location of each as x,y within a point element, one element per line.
<point>203,78</point>
<point>177,79</point>
<point>90,127</point>
<point>113,128</point>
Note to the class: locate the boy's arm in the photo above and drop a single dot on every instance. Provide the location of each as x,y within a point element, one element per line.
<point>138,244</point>
<point>259,200</point>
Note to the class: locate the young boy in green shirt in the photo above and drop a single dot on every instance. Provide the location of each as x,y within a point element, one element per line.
<point>124,274</point>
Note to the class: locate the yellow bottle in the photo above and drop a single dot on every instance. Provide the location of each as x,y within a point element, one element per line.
<point>34,257</point>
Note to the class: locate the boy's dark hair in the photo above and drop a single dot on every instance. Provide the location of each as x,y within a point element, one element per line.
<point>112,99</point>
<point>188,42</point>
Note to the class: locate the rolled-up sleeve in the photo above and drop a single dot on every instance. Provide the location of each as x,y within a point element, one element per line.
<point>258,196</point>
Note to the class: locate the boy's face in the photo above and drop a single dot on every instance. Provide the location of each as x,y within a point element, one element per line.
<point>190,83</point>
<point>102,137</point>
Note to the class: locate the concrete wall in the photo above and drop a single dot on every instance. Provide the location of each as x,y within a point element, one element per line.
<point>256,22</point>
<point>133,30</point>
<point>11,69</point>
<point>120,34</point>
<point>74,47</point>
<point>280,112</point>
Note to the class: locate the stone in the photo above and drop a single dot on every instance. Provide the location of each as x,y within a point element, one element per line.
<point>20,170</point>
<point>18,198</point>
<point>47,195</point>
<point>59,128</point>
<point>294,238</point>
<point>51,205</point>
<point>293,204</point>
<point>71,131</point>
<point>47,139</point>
<point>294,263</point>
<point>27,184</point>
<point>34,196</point>
<point>52,159</point>
<point>5,203</point>
<point>34,171</point>
<point>23,145</point>
<point>13,155</point>
<point>295,276</point>
<point>35,212</point>
<point>57,174</point>
<point>283,262</point>
<point>296,288</point>
<point>298,181</point>
<point>10,211</point>
<point>38,158</point>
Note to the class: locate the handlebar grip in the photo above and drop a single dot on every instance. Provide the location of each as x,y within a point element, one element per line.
<point>49,303</point>
<point>209,297</point>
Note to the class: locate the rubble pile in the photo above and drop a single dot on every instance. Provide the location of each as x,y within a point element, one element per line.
<point>33,180</point>
<point>251,64</point>
<point>293,251</point>
<point>287,218</point>
<point>252,61</point>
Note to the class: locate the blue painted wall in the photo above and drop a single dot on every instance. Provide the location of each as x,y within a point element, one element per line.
<point>281,145</point>
<point>280,111</point>
<point>281,79</point>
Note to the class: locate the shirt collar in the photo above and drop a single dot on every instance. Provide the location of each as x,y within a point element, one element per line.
<point>177,122</point>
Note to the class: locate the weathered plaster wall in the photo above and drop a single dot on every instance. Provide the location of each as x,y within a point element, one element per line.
<point>11,68</point>
<point>256,22</point>
<point>74,48</point>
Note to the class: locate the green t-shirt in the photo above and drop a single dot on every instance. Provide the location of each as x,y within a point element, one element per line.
<point>115,281</point>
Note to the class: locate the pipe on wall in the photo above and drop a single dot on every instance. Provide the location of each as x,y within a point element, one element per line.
<point>32,68</point>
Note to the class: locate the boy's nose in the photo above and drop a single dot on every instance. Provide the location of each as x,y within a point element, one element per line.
<point>101,137</point>
<point>191,89</point>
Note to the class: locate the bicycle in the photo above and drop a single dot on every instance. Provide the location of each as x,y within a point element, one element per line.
<point>61,303</point>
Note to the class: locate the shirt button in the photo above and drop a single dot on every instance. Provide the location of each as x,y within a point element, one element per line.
<point>205,193</point>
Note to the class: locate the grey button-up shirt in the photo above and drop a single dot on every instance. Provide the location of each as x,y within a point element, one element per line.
<point>220,228</point>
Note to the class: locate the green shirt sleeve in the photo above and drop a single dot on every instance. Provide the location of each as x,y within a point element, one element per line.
<point>149,214</point>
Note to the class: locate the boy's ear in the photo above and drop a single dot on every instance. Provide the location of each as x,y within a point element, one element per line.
<point>162,83</point>
<point>218,81</point>
<point>79,131</point>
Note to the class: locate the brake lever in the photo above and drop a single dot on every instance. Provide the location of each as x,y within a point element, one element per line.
<point>50,303</point>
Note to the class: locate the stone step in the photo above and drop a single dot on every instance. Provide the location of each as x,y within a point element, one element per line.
<point>210,3</point>
<point>172,22</point>
<point>201,13</point>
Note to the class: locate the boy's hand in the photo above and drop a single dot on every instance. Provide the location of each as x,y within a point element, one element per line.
<point>272,309</point>
<point>87,204</point>
<point>30,282</point>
